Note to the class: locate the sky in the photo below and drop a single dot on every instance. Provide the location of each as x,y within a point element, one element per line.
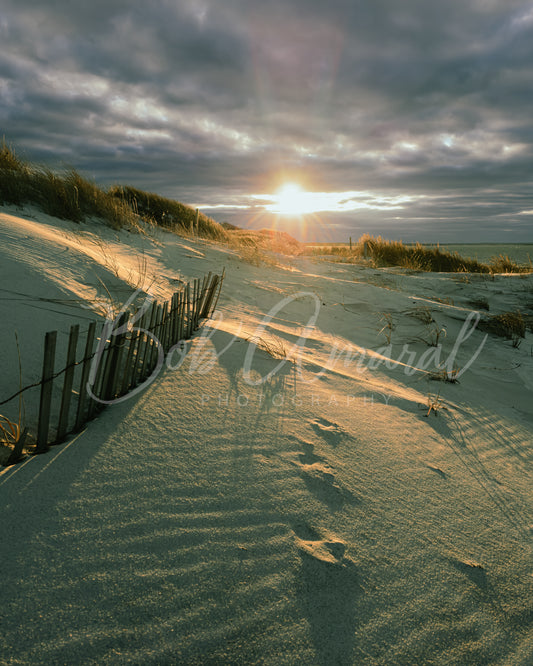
<point>411,119</point>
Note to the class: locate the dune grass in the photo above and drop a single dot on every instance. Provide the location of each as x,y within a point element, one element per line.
<point>381,252</point>
<point>70,196</point>
<point>168,213</point>
<point>507,325</point>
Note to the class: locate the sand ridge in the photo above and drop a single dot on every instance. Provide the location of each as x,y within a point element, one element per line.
<point>246,509</point>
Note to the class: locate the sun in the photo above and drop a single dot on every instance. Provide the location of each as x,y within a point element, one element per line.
<point>291,199</point>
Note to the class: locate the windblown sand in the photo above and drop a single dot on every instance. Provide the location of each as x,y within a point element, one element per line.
<point>330,502</point>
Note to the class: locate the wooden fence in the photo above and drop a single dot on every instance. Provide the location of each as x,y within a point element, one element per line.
<point>118,358</point>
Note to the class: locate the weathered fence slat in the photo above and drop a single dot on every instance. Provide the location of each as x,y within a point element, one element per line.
<point>87,360</point>
<point>205,290</point>
<point>66,397</point>
<point>181,319</point>
<point>114,355</point>
<point>191,322</point>
<point>144,325</point>
<point>165,327</point>
<point>146,353</point>
<point>207,298</point>
<point>189,311</point>
<point>170,323</point>
<point>177,301</point>
<point>46,391</point>
<point>210,296</point>
<point>133,374</point>
<point>220,281</point>
<point>154,349</point>
<point>131,363</point>
<point>196,303</point>
<point>94,405</point>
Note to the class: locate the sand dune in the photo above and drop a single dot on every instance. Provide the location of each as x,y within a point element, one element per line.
<point>340,505</point>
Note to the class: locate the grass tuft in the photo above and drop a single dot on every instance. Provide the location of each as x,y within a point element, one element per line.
<point>435,404</point>
<point>273,345</point>
<point>502,264</point>
<point>509,325</point>
<point>12,433</point>
<point>381,252</point>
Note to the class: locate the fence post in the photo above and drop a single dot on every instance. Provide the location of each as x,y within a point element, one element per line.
<point>98,383</point>
<point>62,426</point>
<point>114,355</point>
<point>153,350</point>
<point>46,391</point>
<point>210,294</point>
<point>163,332</point>
<point>194,303</point>
<point>181,320</point>
<point>205,292</point>
<point>87,358</point>
<point>198,303</point>
<point>136,363</point>
<point>174,319</point>
<point>147,342</point>
<point>220,281</point>
<point>216,282</point>
<point>189,318</point>
<point>130,366</point>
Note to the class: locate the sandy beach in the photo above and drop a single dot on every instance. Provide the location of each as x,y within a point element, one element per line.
<point>337,472</point>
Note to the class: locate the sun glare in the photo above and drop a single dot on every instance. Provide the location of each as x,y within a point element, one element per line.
<point>291,199</point>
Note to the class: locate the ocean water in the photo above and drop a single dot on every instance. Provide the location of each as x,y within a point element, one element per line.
<point>521,253</point>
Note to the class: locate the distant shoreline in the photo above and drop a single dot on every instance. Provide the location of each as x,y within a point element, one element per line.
<point>434,244</point>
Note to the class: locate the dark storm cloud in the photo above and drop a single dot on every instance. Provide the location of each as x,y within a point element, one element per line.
<point>213,101</point>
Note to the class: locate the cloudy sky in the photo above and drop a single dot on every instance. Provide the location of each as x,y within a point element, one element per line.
<point>412,119</point>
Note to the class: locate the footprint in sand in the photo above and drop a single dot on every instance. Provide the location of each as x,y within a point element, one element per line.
<point>328,551</point>
<point>331,432</point>
<point>305,531</point>
<point>308,457</point>
<point>321,481</point>
<point>319,477</point>
<point>328,586</point>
